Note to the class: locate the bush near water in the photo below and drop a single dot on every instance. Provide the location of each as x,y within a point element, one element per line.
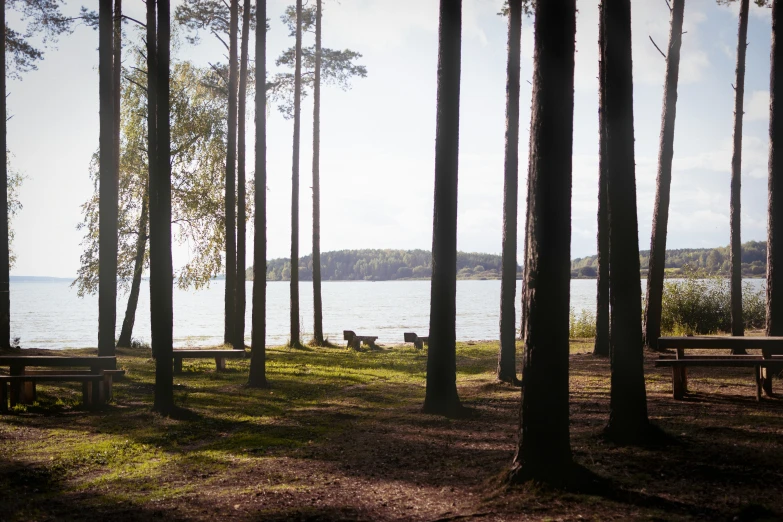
<point>697,304</point>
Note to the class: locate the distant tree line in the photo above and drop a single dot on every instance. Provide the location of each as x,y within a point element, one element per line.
<point>383,265</point>
<point>715,261</point>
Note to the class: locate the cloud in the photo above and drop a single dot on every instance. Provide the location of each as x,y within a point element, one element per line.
<point>757,106</point>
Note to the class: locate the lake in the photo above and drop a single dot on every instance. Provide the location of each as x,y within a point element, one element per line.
<point>49,314</point>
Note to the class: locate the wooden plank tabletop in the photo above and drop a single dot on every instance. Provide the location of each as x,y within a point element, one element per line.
<point>105,363</point>
<point>722,343</point>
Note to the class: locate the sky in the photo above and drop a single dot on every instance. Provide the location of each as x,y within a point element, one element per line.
<point>378,139</point>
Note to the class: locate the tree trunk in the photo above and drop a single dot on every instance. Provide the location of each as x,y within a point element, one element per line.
<point>138,268</point>
<point>601,347</point>
<point>231,246</point>
<point>628,401</point>
<point>318,326</point>
<point>107,268</point>
<point>257,377</point>
<point>507,371</point>
<point>152,140</point>
<point>161,272</point>
<point>5,260</point>
<point>441,395</point>
<point>775,207</point>
<point>544,451</point>
<point>239,333</point>
<point>737,323</point>
<point>295,333</point>
<point>655,273</point>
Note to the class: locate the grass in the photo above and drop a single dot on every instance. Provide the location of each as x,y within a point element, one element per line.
<point>340,436</point>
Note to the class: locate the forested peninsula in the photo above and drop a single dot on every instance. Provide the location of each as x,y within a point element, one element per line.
<point>389,265</point>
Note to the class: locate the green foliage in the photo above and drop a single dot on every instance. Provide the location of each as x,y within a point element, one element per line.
<point>211,16</point>
<point>44,21</point>
<point>581,326</point>
<point>382,265</point>
<point>528,8</point>
<point>337,67</point>
<point>714,261</point>
<point>198,172</point>
<point>14,205</point>
<point>699,305</point>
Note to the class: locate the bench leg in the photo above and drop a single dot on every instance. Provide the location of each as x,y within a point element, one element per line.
<point>27,392</point>
<point>757,374</point>
<point>98,393</point>
<point>220,364</point>
<point>87,394</point>
<point>766,381</point>
<point>684,379</point>
<point>3,397</point>
<point>677,388</point>
<point>107,387</point>
<point>177,365</point>
<point>418,344</point>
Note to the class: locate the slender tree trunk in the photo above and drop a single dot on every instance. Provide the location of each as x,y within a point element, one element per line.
<point>161,271</point>
<point>544,451</point>
<point>655,273</point>
<point>152,143</point>
<point>231,152</point>
<point>138,268</point>
<point>441,395</point>
<point>257,377</point>
<point>107,279</point>
<point>775,209</point>
<point>601,347</point>
<point>5,259</point>
<point>507,371</point>
<point>628,400</point>
<point>239,334</point>
<point>295,333</point>
<point>737,323</point>
<point>318,326</point>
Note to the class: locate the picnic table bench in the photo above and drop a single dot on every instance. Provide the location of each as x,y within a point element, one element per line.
<point>220,357</point>
<point>418,342</point>
<point>355,341</point>
<point>96,381</point>
<point>764,364</point>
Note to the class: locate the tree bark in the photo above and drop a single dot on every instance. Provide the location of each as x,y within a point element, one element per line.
<point>231,246</point>
<point>737,323</point>
<point>775,202</point>
<point>161,271</point>
<point>441,394</point>
<point>239,333</point>
<point>295,332</point>
<point>152,139</point>
<point>628,401</point>
<point>107,264</point>
<point>544,451</point>
<point>507,356</point>
<point>257,377</point>
<point>318,327</point>
<point>655,273</point>
<point>5,260</point>
<point>601,347</point>
<point>126,334</point>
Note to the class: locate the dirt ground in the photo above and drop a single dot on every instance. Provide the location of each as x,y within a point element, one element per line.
<point>340,436</point>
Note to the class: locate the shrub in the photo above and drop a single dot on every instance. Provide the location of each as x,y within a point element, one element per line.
<point>582,325</point>
<point>699,305</point>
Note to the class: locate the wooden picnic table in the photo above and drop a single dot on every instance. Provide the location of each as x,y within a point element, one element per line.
<point>764,363</point>
<point>22,380</point>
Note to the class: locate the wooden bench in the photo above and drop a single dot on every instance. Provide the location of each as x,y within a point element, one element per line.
<point>93,391</point>
<point>764,364</point>
<point>220,357</point>
<point>418,342</point>
<point>355,341</point>
<point>108,379</point>
<point>23,390</point>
